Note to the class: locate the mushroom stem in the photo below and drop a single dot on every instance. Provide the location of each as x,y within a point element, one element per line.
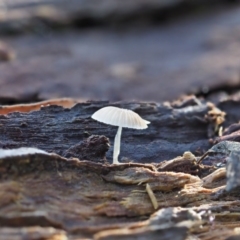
<point>116,149</point>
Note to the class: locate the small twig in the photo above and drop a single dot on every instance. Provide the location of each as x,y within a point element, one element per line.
<point>203,156</point>
<point>152,196</point>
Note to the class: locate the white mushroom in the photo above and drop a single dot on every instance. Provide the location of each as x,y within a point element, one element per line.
<point>121,118</point>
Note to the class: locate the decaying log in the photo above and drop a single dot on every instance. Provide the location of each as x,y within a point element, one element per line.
<point>68,186</point>
<point>55,129</point>
<point>38,188</point>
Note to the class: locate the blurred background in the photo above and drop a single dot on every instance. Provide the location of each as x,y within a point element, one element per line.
<point>115,50</point>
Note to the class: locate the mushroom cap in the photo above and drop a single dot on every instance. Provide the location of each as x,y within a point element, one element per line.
<point>120,117</point>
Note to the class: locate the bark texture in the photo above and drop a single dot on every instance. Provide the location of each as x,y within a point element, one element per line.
<point>172,131</point>
<point>77,193</point>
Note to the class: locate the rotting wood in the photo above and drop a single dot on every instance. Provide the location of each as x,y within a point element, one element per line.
<point>99,200</point>
<point>233,171</point>
<point>170,223</point>
<point>56,129</point>
<point>210,180</point>
<point>40,184</point>
<point>93,148</point>
<point>187,164</point>
<point>63,102</point>
<point>33,233</point>
<point>162,181</point>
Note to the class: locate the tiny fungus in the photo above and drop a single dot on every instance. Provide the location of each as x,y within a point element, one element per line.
<point>121,118</point>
